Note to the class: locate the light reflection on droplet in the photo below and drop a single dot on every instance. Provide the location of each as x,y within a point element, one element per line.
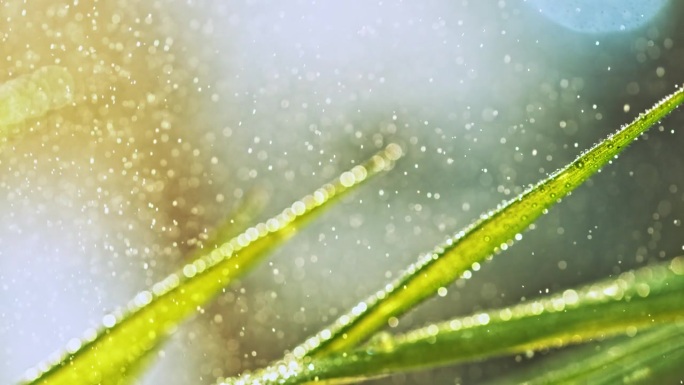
<point>108,321</point>
<point>347,179</point>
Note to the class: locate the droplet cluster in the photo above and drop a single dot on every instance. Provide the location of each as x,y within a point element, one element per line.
<point>633,284</point>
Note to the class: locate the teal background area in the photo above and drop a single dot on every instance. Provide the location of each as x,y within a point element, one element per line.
<point>600,16</point>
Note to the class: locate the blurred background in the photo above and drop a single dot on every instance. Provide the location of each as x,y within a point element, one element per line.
<point>184,108</point>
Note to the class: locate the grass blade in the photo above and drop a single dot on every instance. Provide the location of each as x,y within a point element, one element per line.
<point>636,300</point>
<point>494,231</point>
<point>239,220</point>
<point>101,358</point>
<point>251,205</point>
<point>643,359</point>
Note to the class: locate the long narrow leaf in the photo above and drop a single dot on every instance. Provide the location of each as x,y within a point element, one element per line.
<point>494,231</point>
<point>129,333</point>
<point>642,359</point>
<point>636,300</point>
<point>239,220</point>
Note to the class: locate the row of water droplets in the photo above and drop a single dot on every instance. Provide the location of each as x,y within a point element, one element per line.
<point>639,283</point>
<point>220,257</point>
<point>559,184</point>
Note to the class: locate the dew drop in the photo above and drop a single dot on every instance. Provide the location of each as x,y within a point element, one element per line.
<point>347,179</point>
<point>109,320</point>
<point>381,342</point>
<point>393,151</point>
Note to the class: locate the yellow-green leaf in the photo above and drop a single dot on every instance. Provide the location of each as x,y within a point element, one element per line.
<point>648,358</point>
<point>244,214</point>
<point>127,334</point>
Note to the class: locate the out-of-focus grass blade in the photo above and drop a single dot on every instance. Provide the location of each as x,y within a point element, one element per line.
<point>32,96</point>
<point>248,208</point>
<point>100,357</point>
<point>494,231</point>
<point>643,359</point>
<point>636,300</point>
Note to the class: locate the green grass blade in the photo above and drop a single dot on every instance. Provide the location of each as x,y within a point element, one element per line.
<point>636,300</point>
<point>643,359</point>
<point>494,231</point>
<point>240,218</point>
<point>128,334</point>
